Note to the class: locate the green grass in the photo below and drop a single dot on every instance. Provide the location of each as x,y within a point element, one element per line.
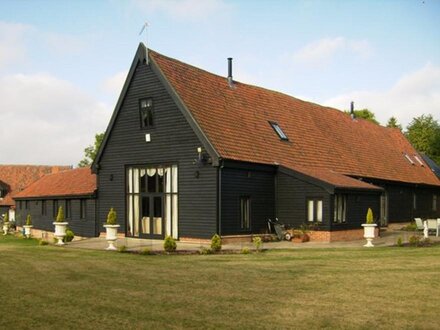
<point>48,287</point>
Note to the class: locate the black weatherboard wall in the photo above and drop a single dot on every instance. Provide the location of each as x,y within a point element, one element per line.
<point>173,141</point>
<point>255,182</point>
<point>85,227</point>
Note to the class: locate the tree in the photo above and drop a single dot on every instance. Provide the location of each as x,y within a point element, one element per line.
<point>91,151</point>
<point>364,114</point>
<point>392,123</point>
<point>424,134</point>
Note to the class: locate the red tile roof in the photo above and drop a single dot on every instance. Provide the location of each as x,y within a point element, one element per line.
<point>76,182</point>
<point>235,121</point>
<point>18,177</point>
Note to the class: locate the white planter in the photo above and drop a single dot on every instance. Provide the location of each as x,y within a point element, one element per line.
<point>5,228</point>
<point>369,233</point>
<point>111,235</point>
<point>27,230</point>
<point>60,231</point>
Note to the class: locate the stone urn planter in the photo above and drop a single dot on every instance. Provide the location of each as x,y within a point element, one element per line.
<point>111,230</point>
<point>111,235</point>
<point>60,227</point>
<point>5,228</point>
<point>28,226</point>
<point>369,229</point>
<point>6,224</point>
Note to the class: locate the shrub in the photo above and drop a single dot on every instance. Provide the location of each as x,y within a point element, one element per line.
<point>122,248</point>
<point>414,240</point>
<point>216,243</point>
<point>257,243</point>
<point>28,220</point>
<point>370,216</point>
<point>60,215</point>
<point>205,251</point>
<point>411,227</point>
<point>6,219</point>
<point>145,251</point>
<point>69,235</point>
<point>245,251</point>
<point>112,217</point>
<point>399,241</point>
<point>43,242</point>
<point>169,244</point>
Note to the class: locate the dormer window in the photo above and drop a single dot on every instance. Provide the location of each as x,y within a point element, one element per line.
<point>418,160</point>
<point>146,112</point>
<point>279,131</point>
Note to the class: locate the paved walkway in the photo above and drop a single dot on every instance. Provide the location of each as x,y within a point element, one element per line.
<point>388,237</point>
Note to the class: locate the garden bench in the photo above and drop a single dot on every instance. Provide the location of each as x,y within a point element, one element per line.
<point>433,225</point>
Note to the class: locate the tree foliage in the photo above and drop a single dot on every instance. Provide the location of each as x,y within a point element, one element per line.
<point>393,123</point>
<point>424,134</point>
<point>364,114</point>
<point>91,151</point>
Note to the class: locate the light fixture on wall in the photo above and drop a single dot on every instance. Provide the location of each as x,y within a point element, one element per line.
<point>202,159</point>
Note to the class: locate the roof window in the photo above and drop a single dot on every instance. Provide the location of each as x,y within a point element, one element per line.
<point>279,131</point>
<point>419,161</point>
<point>409,159</point>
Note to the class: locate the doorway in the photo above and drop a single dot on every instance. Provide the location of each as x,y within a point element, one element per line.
<point>151,220</point>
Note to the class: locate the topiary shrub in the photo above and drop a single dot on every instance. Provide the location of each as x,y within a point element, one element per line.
<point>399,241</point>
<point>169,244</point>
<point>122,248</point>
<point>28,220</point>
<point>43,242</point>
<point>245,251</point>
<point>216,243</point>
<point>257,243</point>
<point>6,219</point>
<point>69,236</point>
<point>145,251</point>
<point>370,216</point>
<point>60,215</point>
<point>205,251</point>
<point>112,217</point>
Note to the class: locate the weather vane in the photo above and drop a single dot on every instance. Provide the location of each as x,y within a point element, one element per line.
<point>145,28</point>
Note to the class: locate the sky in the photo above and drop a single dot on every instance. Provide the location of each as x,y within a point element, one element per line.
<point>63,63</point>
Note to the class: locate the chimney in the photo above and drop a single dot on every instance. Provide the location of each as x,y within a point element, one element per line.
<point>352,110</point>
<point>230,80</point>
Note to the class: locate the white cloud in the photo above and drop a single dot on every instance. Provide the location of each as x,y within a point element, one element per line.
<point>113,85</point>
<point>412,95</point>
<point>65,43</point>
<point>12,45</point>
<point>323,50</point>
<point>184,9</point>
<point>46,120</point>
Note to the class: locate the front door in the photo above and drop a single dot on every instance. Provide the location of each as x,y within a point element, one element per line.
<point>384,209</point>
<point>152,220</point>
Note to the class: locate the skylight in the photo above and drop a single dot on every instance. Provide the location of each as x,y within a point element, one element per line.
<point>279,131</point>
<point>409,159</point>
<point>418,160</point>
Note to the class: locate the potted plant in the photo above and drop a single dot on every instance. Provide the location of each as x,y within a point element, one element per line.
<point>27,227</point>
<point>6,224</point>
<point>369,228</point>
<point>60,226</point>
<point>111,228</point>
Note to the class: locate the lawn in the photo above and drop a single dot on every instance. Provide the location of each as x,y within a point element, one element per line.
<point>50,287</point>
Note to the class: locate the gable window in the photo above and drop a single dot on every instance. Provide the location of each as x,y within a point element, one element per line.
<point>434,202</point>
<point>279,131</point>
<point>245,205</point>
<point>340,208</point>
<point>68,208</point>
<point>83,208</point>
<point>314,210</point>
<point>146,112</point>
<point>43,207</point>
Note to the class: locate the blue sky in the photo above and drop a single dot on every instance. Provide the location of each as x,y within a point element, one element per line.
<point>62,63</point>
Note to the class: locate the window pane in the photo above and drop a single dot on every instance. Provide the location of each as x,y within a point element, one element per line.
<point>151,179</point>
<point>130,180</point>
<point>157,216</point>
<point>168,179</point>
<point>145,215</point>
<point>245,212</point>
<point>136,180</point>
<point>136,215</point>
<point>175,213</point>
<point>167,214</point>
<point>174,178</point>
<point>160,179</point>
<point>142,179</point>
<point>319,211</point>
<point>130,215</point>
<point>310,211</point>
